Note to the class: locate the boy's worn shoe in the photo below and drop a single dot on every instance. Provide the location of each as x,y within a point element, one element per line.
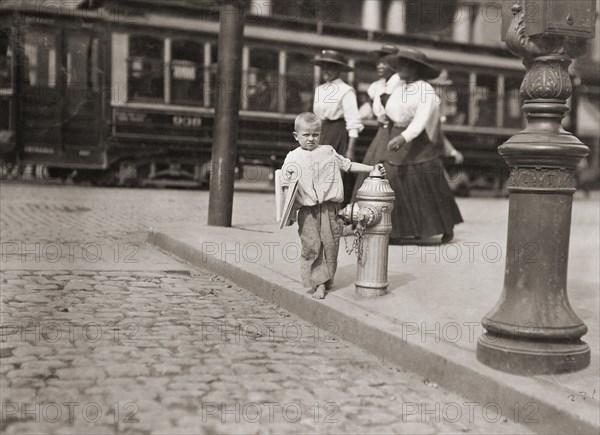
<point>447,237</point>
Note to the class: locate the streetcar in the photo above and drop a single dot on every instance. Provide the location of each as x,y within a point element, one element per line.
<point>124,93</point>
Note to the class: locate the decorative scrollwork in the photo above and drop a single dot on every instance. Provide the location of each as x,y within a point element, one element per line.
<point>548,178</point>
<point>548,77</point>
<point>521,44</point>
<point>517,40</point>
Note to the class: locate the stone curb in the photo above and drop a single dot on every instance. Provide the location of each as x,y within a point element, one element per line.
<point>449,366</point>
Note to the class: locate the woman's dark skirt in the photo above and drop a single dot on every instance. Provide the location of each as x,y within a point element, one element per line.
<point>424,205</point>
<point>334,133</point>
<point>374,155</point>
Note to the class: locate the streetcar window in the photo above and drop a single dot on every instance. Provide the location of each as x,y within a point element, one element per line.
<point>485,96</point>
<point>187,72</point>
<point>209,90</point>
<point>5,59</point>
<point>300,79</point>
<point>261,90</point>
<point>513,116</point>
<point>145,68</point>
<point>95,72</point>
<point>40,59</point>
<point>78,56</point>
<point>456,98</point>
<point>4,115</point>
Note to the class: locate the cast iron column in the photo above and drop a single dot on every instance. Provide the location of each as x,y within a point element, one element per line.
<point>227,103</point>
<point>533,329</point>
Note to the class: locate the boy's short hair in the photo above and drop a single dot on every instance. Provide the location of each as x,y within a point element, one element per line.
<point>306,118</point>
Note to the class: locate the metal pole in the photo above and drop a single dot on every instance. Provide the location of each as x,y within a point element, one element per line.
<point>227,103</point>
<point>533,328</point>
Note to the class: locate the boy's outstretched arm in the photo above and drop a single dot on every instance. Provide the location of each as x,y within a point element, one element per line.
<point>361,167</point>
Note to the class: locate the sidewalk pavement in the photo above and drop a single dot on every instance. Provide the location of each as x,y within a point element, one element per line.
<point>429,322</point>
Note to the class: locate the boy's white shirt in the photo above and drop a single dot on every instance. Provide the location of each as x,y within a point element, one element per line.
<point>318,174</point>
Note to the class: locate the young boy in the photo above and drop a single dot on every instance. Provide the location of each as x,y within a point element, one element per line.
<point>317,168</point>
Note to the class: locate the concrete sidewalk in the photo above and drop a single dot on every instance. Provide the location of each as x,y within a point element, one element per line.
<point>430,320</point>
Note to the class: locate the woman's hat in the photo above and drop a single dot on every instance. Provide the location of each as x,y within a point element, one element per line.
<point>332,57</point>
<point>426,71</point>
<point>442,80</point>
<point>385,50</point>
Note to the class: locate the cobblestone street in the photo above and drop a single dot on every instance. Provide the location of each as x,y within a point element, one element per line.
<point>133,347</point>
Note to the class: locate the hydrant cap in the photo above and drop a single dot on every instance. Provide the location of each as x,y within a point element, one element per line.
<point>376,173</point>
<point>375,188</point>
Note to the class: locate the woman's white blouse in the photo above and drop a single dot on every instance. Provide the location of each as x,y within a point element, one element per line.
<point>335,100</point>
<point>382,86</point>
<point>416,106</point>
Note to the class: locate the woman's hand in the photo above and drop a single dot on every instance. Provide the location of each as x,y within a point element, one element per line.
<point>457,157</point>
<point>383,119</point>
<point>396,143</point>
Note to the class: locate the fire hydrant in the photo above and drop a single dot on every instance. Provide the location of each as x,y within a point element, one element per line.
<point>372,215</point>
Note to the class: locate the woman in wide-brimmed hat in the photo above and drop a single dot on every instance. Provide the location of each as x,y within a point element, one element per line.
<point>336,106</point>
<point>379,92</point>
<point>387,82</point>
<point>425,205</point>
<point>332,57</point>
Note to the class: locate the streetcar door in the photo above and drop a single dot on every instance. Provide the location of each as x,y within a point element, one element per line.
<point>82,103</point>
<point>40,109</point>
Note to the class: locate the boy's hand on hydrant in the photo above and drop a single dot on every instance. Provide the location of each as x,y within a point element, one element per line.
<point>381,169</point>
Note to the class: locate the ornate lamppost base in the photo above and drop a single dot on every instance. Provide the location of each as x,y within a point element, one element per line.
<point>543,159</point>
<point>526,357</point>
